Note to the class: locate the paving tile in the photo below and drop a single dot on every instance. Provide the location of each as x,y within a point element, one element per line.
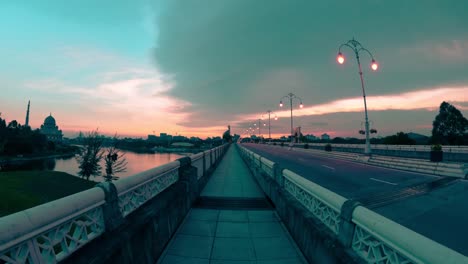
<point>266,229</point>
<point>191,246</point>
<point>219,261</point>
<point>263,216</point>
<point>203,214</point>
<point>273,248</point>
<point>232,229</point>
<point>233,216</point>
<point>173,259</point>
<point>233,249</point>
<point>281,261</point>
<point>198,228</point>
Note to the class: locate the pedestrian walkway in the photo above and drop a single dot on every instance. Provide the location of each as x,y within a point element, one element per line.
<point>215,233</point>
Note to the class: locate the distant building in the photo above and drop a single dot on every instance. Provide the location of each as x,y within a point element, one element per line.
<point>51,130</point>
<point>311,137</point>
<point>325,137</point>
<point>26,123</point>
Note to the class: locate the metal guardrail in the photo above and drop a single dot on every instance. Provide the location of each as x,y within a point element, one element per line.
<point>376,239</point>
<point>51,232</point>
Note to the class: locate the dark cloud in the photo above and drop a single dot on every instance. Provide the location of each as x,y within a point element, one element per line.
<point>234,56</point>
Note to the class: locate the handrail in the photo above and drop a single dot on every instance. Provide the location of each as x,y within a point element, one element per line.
<point>42,232</point>
<point>375,232</point>
<point>376,238</point>
<point>140,188</point>
<point>317,199</point>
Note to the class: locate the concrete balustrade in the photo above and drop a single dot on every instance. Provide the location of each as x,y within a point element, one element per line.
<point>358,230</point>
<point>451,153</point>
<point>50,232</point>
<point>109,217</point>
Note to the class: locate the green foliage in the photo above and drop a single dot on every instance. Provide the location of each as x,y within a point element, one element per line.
<point>114,161</point>
<point>20,140</point>
<point>328,147</point>
<point>436,147</point>
<point>90,157</point>
<point>21,190</point>
<point>449,126</point>
<point>399,138</point>
<point>306,146</point>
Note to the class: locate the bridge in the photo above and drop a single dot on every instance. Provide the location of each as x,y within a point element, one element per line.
<point>257,203</point>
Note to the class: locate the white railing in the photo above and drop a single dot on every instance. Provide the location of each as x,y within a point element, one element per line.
<point>379,240</point>
<point>322,203</point>
<point>376,239</point>
<point>50,232</point>
<point>136,190</point>
<point>197,162</point>
<point>424,148</point>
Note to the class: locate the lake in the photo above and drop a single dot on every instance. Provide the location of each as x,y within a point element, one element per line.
<point>136,162</point>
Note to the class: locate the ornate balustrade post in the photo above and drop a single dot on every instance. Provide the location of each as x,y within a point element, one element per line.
<point>188,175</point>
<point>347,227</point>
<point>112,216</point>
<point>278,173</point>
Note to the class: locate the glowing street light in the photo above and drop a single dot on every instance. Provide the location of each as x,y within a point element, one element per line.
<point>357,48</point>
<point>291,96</point>
<point>269,123</point>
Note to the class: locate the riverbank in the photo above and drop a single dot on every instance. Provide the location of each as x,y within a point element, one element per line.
<point>15,160</point>
<point>20,190</point>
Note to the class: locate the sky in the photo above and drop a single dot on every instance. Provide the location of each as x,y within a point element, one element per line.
<point>192,67</point>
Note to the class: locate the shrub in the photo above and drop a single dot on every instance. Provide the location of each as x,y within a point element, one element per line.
<point>306,146</point>
<point>328,147</point>
<point>282,144</point>
<point>436,147</point>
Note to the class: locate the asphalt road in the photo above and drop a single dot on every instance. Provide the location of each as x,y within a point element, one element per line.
<point>440,214</point>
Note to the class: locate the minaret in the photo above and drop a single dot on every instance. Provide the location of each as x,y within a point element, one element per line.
<point>27,115</point>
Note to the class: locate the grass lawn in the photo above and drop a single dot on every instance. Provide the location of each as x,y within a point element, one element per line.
<point>20,190</point>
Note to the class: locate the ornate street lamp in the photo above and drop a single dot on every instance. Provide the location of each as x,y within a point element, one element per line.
<point>358,48</point>
<point>291,96</point>
<point>269,122</point>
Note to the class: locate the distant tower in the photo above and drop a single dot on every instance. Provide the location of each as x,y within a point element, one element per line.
<point>27,114</point>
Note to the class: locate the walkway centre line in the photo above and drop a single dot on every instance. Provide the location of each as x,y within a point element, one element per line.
<point>331,168</point>
<point>391,183</point>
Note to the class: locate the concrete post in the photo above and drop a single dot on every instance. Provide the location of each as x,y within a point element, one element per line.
<point>278,174</point>
<point>112,216</point>
<point>188,175</point>
<point>346,231</point>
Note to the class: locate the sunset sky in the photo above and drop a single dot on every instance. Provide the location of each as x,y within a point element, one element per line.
<point>192,67</point>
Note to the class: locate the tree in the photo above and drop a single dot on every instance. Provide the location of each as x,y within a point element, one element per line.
<point>399,139</point>
<point>449,126</point>
<point>89,158</point>
<point>115,162</point>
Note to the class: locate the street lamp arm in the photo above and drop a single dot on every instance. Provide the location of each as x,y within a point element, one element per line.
<point>347,45</point>
<point>368,52</point>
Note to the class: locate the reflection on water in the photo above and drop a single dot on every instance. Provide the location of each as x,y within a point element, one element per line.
<point>137,162</point>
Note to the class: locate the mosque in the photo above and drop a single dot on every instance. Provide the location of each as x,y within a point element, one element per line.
<point>49,128</point>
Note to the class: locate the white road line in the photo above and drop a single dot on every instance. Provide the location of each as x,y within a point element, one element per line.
<point>331,168</point>
<point>391,183</point>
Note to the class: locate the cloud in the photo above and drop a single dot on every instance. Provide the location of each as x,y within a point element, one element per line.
<point>423,99</point>
<point>453,51</point>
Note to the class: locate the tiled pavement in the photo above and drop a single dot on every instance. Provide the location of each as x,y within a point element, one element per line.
<point>231,236</point>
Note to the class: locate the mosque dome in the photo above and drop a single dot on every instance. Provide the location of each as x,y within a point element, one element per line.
<point>49,121</point>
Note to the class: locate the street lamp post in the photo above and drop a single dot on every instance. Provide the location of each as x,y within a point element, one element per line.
<point>269,123</point>
<point>291,96</point>
<point>357,48</point>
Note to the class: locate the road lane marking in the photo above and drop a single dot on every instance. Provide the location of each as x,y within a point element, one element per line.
<point>331,168</point>
<point>391,183</point>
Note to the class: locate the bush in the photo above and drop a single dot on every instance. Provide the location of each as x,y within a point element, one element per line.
<point>282,144</point>
<point>306,146</point>
<point>274,143</point>
<point>328,147</point>
<point>436,147</point>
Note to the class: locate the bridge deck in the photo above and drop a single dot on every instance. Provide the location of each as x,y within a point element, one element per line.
<point>232,223</point>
